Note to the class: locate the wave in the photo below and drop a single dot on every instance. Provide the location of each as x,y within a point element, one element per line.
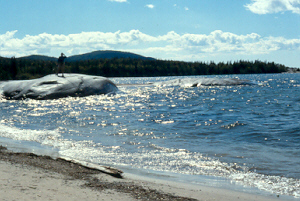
<point>44,137</point>
<point>232,125</point>
<point>154,157</point>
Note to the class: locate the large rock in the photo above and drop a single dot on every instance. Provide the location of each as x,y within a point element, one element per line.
<point>52,87</point>
<point>197,82</point>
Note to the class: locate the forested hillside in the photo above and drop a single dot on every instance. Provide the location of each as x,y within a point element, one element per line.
<point>21,68</point>
<point>101,54</point>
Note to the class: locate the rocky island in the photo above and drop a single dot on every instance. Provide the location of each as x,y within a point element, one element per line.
<point>53,87</point>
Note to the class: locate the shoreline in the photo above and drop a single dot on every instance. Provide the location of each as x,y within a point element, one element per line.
<point>28,176</point>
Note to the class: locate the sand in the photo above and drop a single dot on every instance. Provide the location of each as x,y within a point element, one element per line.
<point>26,176</point>
<point>19,182</point>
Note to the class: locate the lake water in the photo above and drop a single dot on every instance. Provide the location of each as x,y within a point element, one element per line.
<point>247,134</point>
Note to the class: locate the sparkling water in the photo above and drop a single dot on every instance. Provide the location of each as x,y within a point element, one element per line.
<point>247,133</point>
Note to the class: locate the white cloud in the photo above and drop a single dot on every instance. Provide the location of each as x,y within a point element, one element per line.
<point>186,8</point>
<point>8,35</point>
<point>273,6</point>
<point>168,46</point>
<point>151,6</point>
<point>121,1</point>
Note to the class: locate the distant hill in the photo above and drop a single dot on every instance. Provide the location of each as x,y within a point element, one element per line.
<point>105,54</point>
<point>39,57</point>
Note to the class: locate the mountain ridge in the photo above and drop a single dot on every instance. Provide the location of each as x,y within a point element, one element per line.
<point>101,54</point>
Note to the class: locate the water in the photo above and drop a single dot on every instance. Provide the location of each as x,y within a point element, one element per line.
<point>246,134</point>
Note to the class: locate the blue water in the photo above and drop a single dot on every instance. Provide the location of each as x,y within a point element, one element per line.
<point>245,133</point>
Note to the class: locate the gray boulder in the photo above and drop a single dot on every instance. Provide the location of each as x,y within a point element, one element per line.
<point>53,87</point>
<point>198,82</point>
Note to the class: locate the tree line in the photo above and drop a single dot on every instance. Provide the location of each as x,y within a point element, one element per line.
<point>19,69</point>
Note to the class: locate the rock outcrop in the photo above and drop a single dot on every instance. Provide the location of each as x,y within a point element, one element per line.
<point>53,87</point>
<point>197,82</point>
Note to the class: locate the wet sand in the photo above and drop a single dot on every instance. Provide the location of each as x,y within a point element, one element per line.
<point>26,176</point>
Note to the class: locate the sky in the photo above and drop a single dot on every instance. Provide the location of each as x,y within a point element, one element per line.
<point>184,30</point>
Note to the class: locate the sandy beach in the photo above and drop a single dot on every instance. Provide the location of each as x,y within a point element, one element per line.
<point>26,176</point>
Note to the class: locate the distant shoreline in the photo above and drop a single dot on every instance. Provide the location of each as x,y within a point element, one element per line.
<point>130,66</point>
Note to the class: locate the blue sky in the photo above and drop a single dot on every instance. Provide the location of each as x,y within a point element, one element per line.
<point>188,30</point>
